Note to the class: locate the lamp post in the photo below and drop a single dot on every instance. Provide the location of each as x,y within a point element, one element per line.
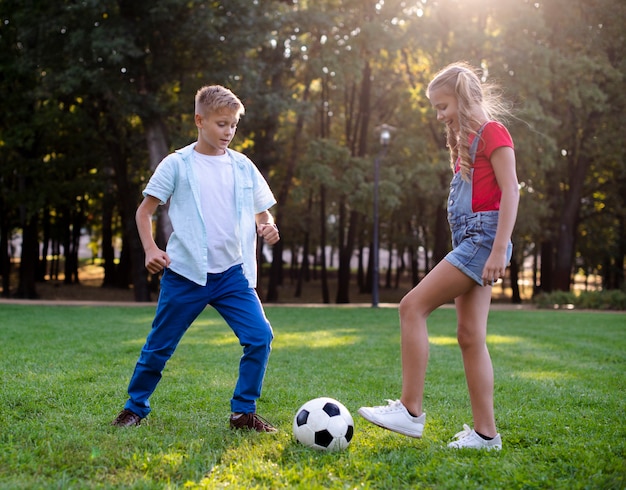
<point>385,137</point>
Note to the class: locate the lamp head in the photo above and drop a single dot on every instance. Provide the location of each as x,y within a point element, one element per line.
<point>384,131</point>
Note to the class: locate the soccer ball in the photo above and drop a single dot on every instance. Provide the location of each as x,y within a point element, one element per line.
<point>324,424</point>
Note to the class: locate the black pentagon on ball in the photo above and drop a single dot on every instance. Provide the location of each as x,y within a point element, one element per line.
<point>323,438</point>
<point>331,409</point>
<point>349,433</point>
<point>302,417</point>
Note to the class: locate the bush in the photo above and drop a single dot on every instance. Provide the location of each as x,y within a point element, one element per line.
<point>613,299</point>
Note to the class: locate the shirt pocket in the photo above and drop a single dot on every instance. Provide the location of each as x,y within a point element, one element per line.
<point>183,192</point>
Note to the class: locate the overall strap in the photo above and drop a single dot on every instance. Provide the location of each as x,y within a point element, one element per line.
<point>474,146</point>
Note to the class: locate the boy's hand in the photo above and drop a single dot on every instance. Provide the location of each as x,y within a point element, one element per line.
<point>269,232</point>
<point>156,260</point>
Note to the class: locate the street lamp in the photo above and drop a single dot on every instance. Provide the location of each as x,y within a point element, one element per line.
<point>385,137</point>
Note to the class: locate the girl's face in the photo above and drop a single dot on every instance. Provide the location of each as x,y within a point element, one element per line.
<point>447,107</point>
<point>215,131</point>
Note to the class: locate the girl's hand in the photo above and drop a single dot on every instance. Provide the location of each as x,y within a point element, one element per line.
<point>494,269</point>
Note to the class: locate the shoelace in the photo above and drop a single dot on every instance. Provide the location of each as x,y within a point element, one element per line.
<point>257,419</point>
<point>125,417</point>
<point>467,431</point>
<point>392,405</point>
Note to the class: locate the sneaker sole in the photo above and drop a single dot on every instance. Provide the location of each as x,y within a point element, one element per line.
<point>474,448</point>
<point>415,435</point>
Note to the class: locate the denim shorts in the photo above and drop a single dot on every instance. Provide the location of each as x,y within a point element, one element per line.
<point>472,241</point>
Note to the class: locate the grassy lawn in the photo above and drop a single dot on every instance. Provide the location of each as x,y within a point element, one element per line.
<point>560,402</point>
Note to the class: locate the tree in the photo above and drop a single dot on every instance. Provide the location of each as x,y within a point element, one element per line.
<point>96,93</point>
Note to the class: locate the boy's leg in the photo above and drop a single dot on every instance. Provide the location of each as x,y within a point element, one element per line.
<point>180,303</point>
<point>240,306</point>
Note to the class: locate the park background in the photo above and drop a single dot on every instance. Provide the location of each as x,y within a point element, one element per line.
<point>96,93</point>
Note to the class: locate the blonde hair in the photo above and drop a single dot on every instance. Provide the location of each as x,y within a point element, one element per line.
<point>212,98</point>
<point>461,80</point>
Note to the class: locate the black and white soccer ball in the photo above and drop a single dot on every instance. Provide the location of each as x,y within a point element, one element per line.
<point>324,424</point>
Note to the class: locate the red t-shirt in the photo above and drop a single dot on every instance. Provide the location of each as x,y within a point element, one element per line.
<point>486,193</point>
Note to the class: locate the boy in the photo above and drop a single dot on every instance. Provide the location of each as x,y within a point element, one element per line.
<point>219,202</point>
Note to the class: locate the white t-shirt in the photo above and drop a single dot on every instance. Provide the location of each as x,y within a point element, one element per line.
<point>217,196</point>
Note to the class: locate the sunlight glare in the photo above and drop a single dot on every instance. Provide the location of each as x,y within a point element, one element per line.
<point>442,340</point>
<point>544,375</point>
<point>317,339</point>
<point>491,339</point>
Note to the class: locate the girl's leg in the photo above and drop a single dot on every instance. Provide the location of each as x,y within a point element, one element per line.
<point>441,285</point>
<point>472,312</point>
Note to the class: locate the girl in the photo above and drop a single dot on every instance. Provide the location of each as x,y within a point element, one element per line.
<point>482,208</point>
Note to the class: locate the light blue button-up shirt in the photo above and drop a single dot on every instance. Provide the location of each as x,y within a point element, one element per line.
<point>175,179</point>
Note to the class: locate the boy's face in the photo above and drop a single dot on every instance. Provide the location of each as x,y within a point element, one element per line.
<point>215,131</point>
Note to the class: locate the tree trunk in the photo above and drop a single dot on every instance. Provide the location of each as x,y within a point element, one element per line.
<point>414,260</point>
<point>442,241</point>
<point>42,263</point>
<point>346,246</point>
<point>26,288</point>
<point>345,254</point>
<point>369,277</point>
<point>158,149</point>
<point>545,271</point>
<point>5,257</point>
<point>303,270</point>
<point>72,243</point>
<point>108,251</point>
<point>131,268</point>
<point>442,237</point>
<point>389,265</point>
<point>618,262</point>
<point>516,298</point>
<point>323,269</point>
<point>276,270</point>
<point>568,223</point>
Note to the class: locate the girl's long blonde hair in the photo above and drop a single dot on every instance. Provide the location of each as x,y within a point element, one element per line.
<point>461,80</point>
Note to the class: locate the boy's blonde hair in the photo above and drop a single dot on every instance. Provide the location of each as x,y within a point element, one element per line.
<point>461,80</point>
<point>212,98</point>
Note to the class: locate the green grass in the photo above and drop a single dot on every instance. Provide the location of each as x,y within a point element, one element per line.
<point>560,402</point>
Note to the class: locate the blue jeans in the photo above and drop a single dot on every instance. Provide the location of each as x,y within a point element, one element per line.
<point>180,303</point>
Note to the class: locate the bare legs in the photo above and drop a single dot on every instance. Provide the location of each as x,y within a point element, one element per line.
<point>442,285</point>
<point>472,311</point>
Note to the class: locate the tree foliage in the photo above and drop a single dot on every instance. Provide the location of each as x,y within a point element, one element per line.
<point>97,92</point>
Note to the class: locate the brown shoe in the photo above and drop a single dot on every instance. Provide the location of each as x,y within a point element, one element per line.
<point>126,418</point>
<point>251,421</point>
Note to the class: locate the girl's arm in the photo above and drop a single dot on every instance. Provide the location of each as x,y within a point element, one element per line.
<point>503,163</point>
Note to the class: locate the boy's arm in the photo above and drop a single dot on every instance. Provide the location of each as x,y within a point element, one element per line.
<point>156,259</point>
<point>266,228</point>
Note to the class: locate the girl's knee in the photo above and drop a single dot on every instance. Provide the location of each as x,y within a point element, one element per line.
<point>469,338</point>
<point>410,309</point>
<point>406,307</point>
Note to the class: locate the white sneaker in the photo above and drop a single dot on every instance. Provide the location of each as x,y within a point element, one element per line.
<point>468,438</point>
<point>394,416</point>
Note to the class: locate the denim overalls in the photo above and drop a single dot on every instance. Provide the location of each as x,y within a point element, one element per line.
<point>472,233</point>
